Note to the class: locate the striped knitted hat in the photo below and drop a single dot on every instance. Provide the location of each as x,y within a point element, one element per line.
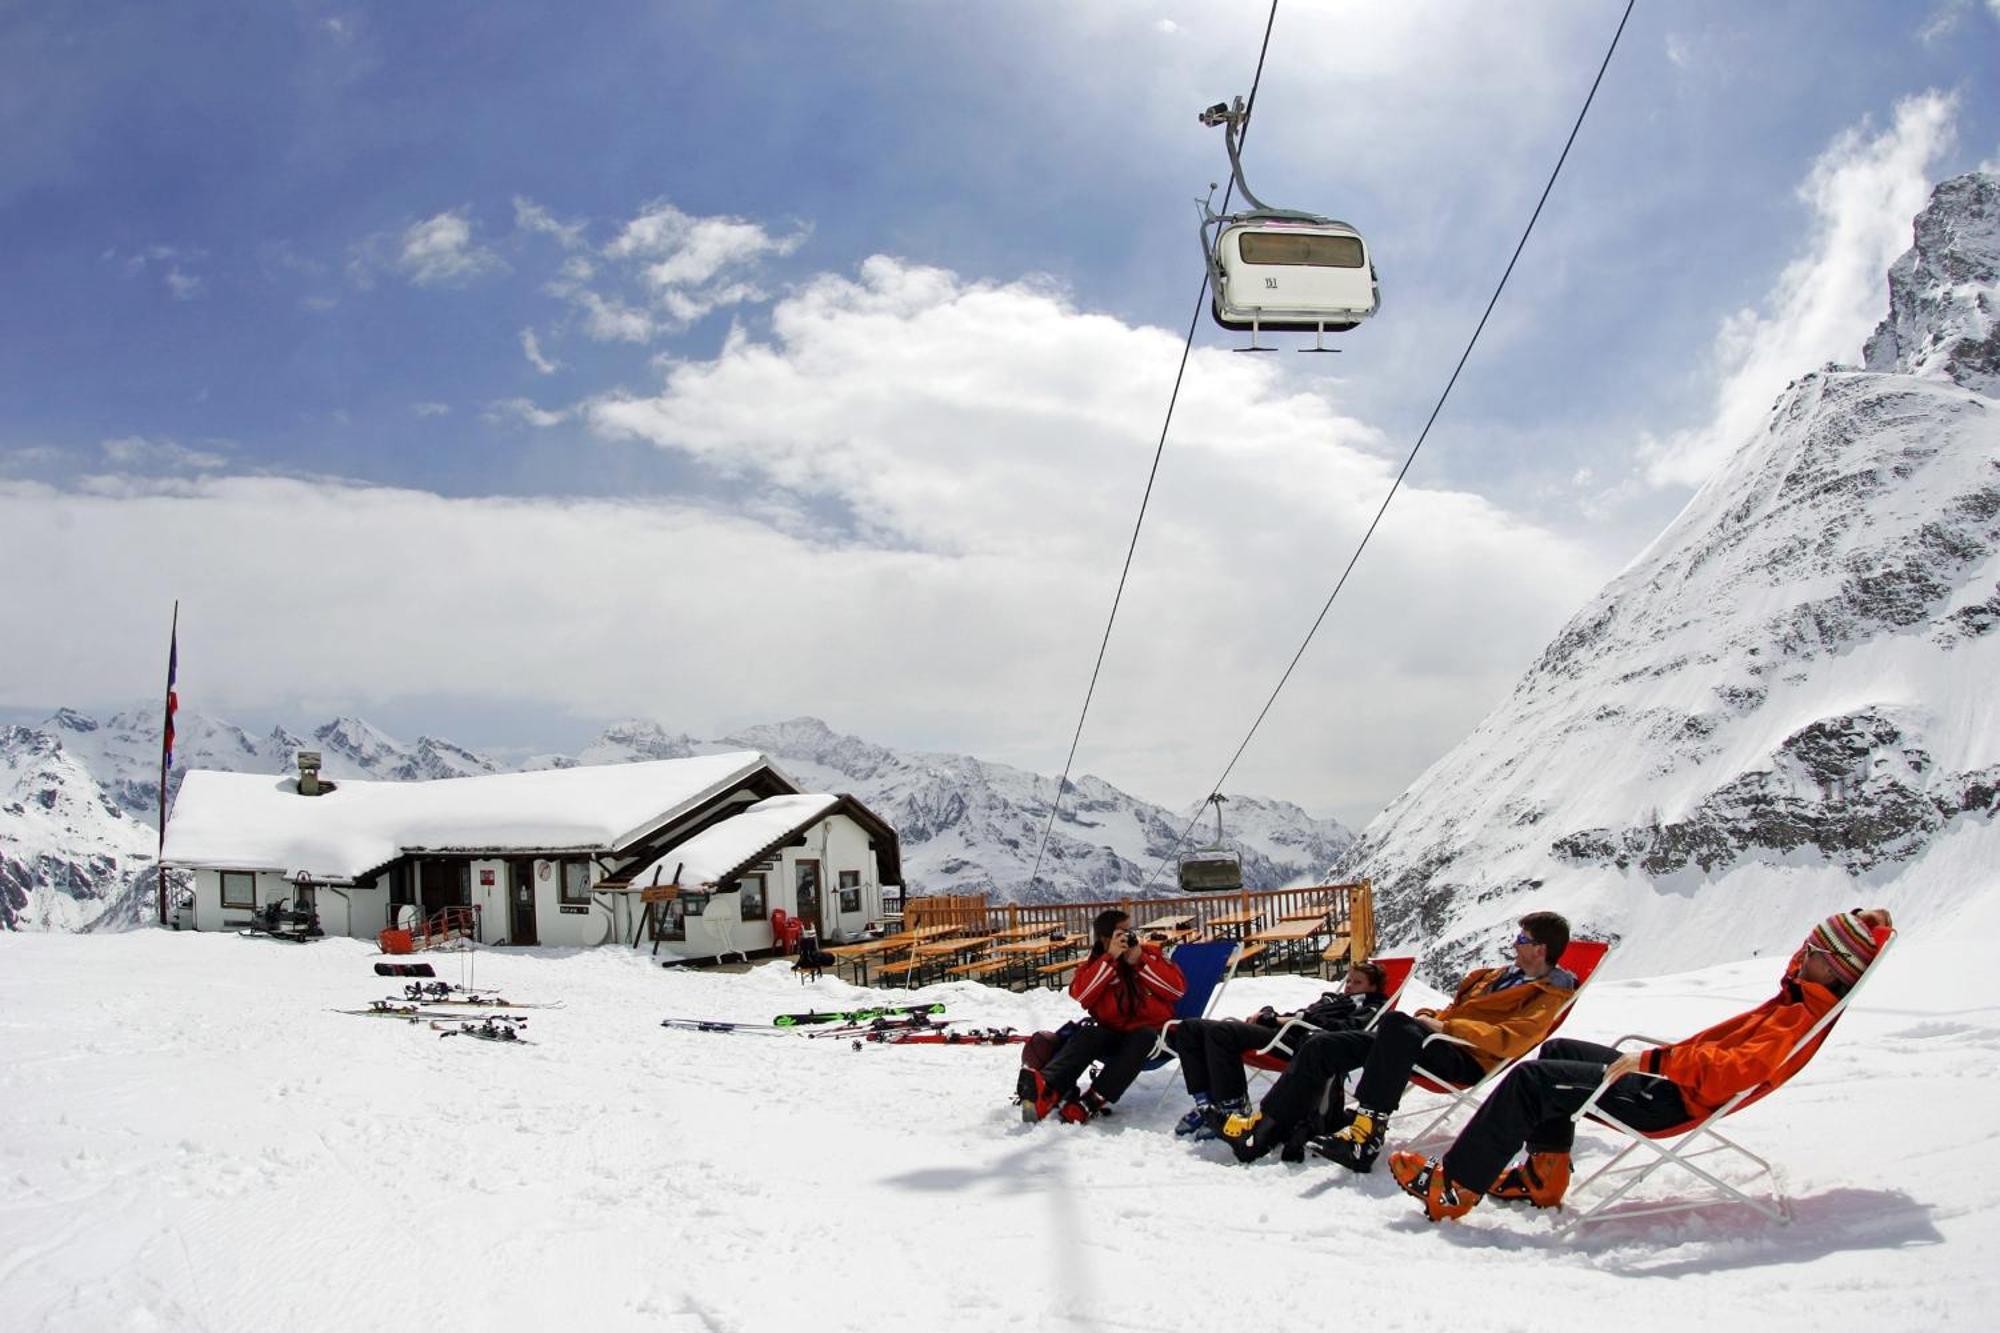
<point>1849,944</point>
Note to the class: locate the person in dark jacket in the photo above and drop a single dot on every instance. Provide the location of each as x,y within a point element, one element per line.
<point>1211,1050</point>
<point>1652,1089</point>
<point>1498,1013</point>
<point>1130,989</point>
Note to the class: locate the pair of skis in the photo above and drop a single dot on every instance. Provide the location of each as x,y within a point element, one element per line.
<point>811,1018</point>
<point>886,1024</point>
<point>409,1011</point>
<point>440,993</point>
<point>969,1037</point>
<point>497,1027</point>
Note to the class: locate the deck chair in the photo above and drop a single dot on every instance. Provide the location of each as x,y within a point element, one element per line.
<point>1581,958</point>
<point>1208,966</point>
<point>1678,1143</point>
<point>1267,1060</point>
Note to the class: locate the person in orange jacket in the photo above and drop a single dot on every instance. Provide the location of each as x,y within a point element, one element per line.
<point>1130,989</point>
<point>1652,1089</point>
<point>1498,1013</point>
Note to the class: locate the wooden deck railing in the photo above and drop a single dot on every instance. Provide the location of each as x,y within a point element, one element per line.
<point>1351,907</point>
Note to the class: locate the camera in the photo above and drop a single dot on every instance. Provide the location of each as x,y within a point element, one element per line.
<point>1131,938</point>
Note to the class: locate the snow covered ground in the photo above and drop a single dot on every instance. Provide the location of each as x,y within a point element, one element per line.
<point>194,1141</point>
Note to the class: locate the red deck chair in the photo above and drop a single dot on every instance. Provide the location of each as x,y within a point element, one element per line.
<point>1673,1144</point>
<point>1268,1059</point>
<point>1581,959</point>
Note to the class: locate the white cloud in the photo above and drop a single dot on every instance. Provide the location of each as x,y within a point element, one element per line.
<point>1167,26</point>
<point>531,347</point>
<point>184,286</point>
<point>439,251</point>
<point>610,320</point>
<point>945,475</point>
<point>172,263</point>
<point>431,409</point>
<point>530,216</point>
<point>137,452</point>
<point>526,411</point>
<point>685,265</point>
<point>1863,191</point>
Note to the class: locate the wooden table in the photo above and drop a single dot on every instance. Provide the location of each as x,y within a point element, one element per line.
<point>860,954</point>
<point>1289,934</point>
<point>1022,953</point>
<point>1232,921</point>
<point>1027,931</point>
<point>939,950</point>
<point>1183,922</point>
<point>1306,914</point>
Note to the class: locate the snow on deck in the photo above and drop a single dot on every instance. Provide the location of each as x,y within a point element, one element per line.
<point>250,821</point>
<point>195,1142</point>
<point>714,852</point>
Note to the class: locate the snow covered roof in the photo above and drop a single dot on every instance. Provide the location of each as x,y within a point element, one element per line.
<point>721,852</point>
<point>258,822</point>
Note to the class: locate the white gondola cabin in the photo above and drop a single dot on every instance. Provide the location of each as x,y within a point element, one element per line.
<point>1291,272</point>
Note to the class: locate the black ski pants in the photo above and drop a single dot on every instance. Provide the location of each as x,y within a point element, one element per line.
<point>1533,1104</point>
<point>1211,1052</point>
<point>1123,1053</point>
<point>1385,1058</point>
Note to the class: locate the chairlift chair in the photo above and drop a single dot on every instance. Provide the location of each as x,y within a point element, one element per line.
<point>1212,869</point>
<point>1277,268</point>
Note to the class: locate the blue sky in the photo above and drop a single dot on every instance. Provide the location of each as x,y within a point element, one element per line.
<point>498,369</point>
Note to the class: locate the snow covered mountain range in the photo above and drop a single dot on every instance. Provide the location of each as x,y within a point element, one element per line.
<point>79,798</point>
<point>1786,704</point>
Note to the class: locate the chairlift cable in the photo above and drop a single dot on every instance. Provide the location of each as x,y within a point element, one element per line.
<point>1412,458</point>
<point>1152,474</point>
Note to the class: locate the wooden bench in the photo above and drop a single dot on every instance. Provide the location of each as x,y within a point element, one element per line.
<point>980,967</point>
<point>1249,952</point>
<point>1053,972</point>
<point>906,968</point>
<point>1336,953</point>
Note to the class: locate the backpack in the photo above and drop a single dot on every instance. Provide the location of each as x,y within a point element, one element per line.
<point>1039,1049</point>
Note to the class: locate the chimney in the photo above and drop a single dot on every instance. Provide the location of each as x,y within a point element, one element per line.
<point>309,783</point>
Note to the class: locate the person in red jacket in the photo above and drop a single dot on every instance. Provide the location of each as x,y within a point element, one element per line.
<point>1650,1089</point>
<point>1130,989</point>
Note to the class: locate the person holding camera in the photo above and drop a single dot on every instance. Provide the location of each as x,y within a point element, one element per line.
<point>1130,989</point>
<point>1211,1050</point>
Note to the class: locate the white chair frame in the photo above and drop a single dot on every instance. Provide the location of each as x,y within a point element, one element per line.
<point>1256,1078</point>
<point>1469,1096</point>
<point>1682,1150</point>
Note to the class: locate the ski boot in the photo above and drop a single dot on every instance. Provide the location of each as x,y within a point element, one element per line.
<point>1251,1136</point>
<point>1425,1181</point>
<point>1218,1116</point>
<point>1357,1146</point>
<point>1037,1098</point>
<point>1194,1120</point>
<point>1541,1180</point>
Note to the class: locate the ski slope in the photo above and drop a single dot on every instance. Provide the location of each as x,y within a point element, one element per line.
<point>194,1141</point>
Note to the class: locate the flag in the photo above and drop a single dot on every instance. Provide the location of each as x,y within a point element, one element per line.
<point>173,700</point>
<point>167,754</point>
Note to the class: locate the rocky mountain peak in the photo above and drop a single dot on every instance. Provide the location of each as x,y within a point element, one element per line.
<point>1944,292</point>
<point>812,740</point>
<point>68,719</point>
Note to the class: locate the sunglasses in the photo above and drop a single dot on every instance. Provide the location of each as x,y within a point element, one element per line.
<point>1525,938</point>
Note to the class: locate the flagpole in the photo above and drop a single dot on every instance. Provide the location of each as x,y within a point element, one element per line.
<point>167,752</point>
